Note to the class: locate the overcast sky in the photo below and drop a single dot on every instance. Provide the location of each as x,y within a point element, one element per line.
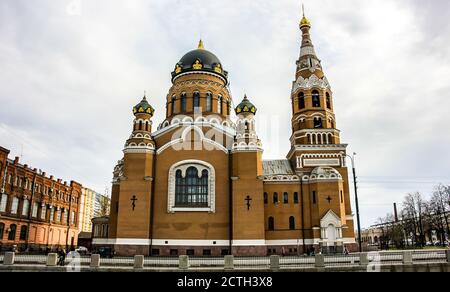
<point>70,72</point>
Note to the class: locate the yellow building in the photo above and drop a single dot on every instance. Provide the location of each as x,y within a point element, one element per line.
<point>198,184</point>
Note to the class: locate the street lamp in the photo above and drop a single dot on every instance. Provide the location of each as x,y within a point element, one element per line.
<point>352,158</point>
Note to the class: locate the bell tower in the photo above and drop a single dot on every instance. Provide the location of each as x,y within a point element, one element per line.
<point>313,119</point>
<point>317,154</point>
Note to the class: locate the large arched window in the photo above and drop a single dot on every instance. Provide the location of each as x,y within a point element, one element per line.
<point>292,223</point>
<point>209,102</point>
<point>183,102</point>
<point>2,230</point>
<point>271,224</point>
<point>301,101</point>
<point>328,101</point>
<point>15,205</point>
<point>12,232</point>
<point>315,98</point>
<point>23,232</point>
<point>3,202</point>
<point>191,187</point>
<point>25,207</point>
<point>196,103</point>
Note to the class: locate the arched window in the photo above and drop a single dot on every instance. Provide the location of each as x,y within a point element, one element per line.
<point>271,224</point>
<point>285,198</point>
<point>209,102</point>
<point>146,126</point>
<point>292,223</point>
<point>174,98</point>
<point>314,197</point>
<point>2,230</point>
<point>196,103</point>
<point>266,198</point>
<point>191,190</point>
<point>275,198</point>
<point>295,198</point>
<point>315,98</point>
<point>183,102</point>
<point>228,108</point>
<point>12,232</point>
<point>301,101</point>
<point>328,101</point>
<point>219,104</point>
<point>140,125</point>
<point>318,124</point>
<point>23,232</point>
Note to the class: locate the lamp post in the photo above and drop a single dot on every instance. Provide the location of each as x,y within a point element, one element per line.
<point>352,158</point>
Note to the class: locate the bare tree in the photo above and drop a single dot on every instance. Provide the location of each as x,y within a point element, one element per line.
<point>104,206</point>
<point>413,206</point>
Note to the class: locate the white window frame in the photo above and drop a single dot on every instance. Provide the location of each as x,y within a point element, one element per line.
<point>25,207</point>
<point>3,203</point>
<point>35,210</point>
<point>14,205</point>
<point>183,166</point>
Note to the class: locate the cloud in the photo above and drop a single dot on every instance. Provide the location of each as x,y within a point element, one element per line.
<point>69,79</point>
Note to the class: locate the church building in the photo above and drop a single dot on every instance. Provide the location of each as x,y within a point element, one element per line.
<point>198,184</point>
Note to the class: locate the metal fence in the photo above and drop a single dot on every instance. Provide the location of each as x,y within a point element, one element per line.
<point>252,263</point>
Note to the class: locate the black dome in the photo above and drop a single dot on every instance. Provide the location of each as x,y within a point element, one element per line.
<point>199,60</point>
<point>208,59</point>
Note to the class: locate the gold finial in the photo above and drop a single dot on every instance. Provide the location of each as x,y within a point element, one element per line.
<point>200,45</point>
<point>304,22</point>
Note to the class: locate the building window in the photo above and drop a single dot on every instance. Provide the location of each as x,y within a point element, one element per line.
<point>328,101</point>
<point>2,230</point>
<point>190,252</point>
<point>58,215</point>
<point>295,198</point>
<point>342,197</point>
<point>35,210</point>
<point>65,216</point>
<point>285,198</point>
<point>14,205</point>
<point>207,252</point>
<point>209,102</point>
<point>292,223</point>
<point>228,108</point>
<point>73,218</point>
<point>275,198</point>
<point>12,232</point>
<point>23,232</point>
<point>183,102</point>
<point>225,252</point>
<point>301,101</point>
<point>314,197</point>
<point>315,98</point>
<point>271,224</point>
<point>43,212</point>
<point>174,252</point>
<point>196,103</point>
<point>318,124</point>
<point>4,201</point>
<point>191,190</point>
<point>266,198</point>
<point>155,252</point>
<point>219,104</point>
<point>52,213</point>
<point>25,207</point>
<point>191,187</point>
<point>173,103</point>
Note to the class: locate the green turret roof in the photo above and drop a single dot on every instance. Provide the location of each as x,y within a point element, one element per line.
<point>246,107</point>
<point>143,108</point>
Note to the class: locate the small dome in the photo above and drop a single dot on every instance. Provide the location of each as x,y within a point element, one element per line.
<point>199,60</point>
<point>245,107</point>
<point>305,22</point>
<point>143,108</point>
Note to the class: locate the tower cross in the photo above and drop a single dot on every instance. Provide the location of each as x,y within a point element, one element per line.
<point>248,199</point>
<point>133,204</point>
<point>329,199</point>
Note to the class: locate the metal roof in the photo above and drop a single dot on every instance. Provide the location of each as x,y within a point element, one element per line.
<point>276,167</point>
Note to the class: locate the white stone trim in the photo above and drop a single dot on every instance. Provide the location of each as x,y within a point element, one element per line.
<point>256,242</point>
<point>200,165</point>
